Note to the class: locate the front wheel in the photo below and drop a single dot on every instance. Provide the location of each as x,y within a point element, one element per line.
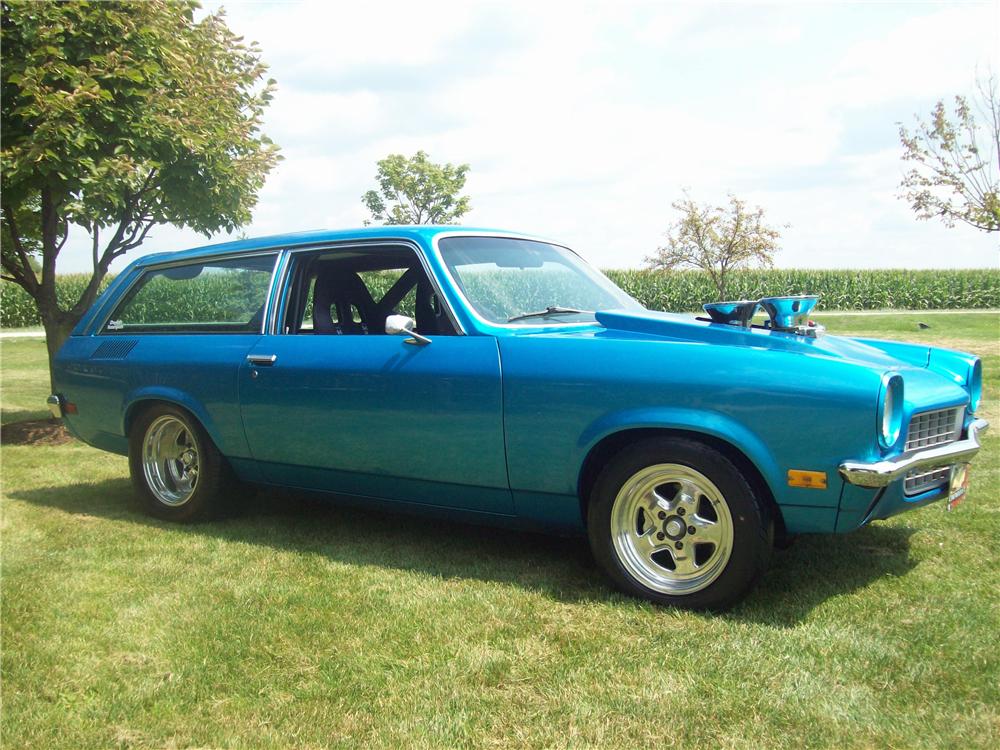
<point>673,521</point>
<point>177,471</point>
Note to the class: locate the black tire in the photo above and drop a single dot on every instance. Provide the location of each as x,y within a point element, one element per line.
<point>748,516</point>
<point>208,491</point>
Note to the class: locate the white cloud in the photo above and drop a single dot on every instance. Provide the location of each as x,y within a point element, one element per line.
<point>931,55</point>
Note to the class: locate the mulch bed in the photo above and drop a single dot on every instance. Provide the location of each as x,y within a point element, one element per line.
<point>36,432</point>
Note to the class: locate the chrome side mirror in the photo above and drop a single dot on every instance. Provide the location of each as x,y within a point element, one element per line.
<point>403,324</point>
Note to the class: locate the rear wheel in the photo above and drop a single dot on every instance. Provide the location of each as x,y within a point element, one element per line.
<point>177,471</point>
<point>674,521</point>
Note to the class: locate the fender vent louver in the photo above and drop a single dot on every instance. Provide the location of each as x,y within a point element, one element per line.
<point>114,349</point>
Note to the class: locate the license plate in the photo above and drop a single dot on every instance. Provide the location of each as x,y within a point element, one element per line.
<point>958,487</point>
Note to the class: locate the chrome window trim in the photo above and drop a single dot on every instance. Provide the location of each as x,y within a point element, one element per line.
<point>101,328</point>
<point>282,293</point>
<point>276,270</point>
<point>511,236</point>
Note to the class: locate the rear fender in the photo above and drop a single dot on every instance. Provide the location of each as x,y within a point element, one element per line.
<point>136,400</point>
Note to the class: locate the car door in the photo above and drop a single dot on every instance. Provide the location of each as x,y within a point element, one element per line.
<point>180,334</point>
<point>374,415</point>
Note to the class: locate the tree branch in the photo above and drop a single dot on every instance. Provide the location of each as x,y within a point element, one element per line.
<point>95,242</point>
<point>30,283</point>
<point>18,277</point>
<point>137,236</point>
<point>65,235</point>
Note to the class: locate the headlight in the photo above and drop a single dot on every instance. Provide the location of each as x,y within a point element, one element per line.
<point>890,409</point>
<point>975,385</point>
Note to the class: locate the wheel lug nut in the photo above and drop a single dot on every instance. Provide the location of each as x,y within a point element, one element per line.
<point>681,511</point>
<point>690,529</point>
<point>679,545</point>
<point>661,515</point>
<point>660,535</point>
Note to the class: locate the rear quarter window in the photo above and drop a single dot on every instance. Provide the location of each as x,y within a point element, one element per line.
<point>222,296</point>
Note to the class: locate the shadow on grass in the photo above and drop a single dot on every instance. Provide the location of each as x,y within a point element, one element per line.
<point>815,569</point>
<point>9,416</point>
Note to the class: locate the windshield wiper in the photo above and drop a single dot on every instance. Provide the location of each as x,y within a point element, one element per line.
<point>545,313</point>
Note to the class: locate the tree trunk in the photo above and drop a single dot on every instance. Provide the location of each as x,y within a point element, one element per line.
<point>58,326</point>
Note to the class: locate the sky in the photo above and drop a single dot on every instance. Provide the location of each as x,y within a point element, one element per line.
<point>583,122</point>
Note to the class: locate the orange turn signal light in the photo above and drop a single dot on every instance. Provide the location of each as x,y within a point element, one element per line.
<point>814,480</point>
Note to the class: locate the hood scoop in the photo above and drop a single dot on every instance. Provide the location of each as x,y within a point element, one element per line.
<point>789,314</point>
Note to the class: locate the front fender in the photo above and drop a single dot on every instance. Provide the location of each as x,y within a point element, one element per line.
<point>701,421</point>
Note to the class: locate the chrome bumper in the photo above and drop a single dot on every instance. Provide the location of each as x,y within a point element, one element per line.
<point>54,403</point>
<point>882,473</point>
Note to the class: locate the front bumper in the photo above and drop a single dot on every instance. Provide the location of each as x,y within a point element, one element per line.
<point>885,472</point>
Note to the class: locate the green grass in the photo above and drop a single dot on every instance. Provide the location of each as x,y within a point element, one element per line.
<point>301,624</point>
<point>24,385</point>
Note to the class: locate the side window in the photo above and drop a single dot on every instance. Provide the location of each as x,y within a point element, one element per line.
<point>352,292</point>
<point>223,296</point>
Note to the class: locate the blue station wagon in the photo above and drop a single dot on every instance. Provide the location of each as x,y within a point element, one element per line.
<point>497,378</point>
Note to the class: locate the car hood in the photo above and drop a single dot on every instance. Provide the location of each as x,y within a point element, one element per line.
<point>687,328</point>
<point>938,371</point>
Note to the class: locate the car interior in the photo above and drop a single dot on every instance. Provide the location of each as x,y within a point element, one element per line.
<point>352,292</point>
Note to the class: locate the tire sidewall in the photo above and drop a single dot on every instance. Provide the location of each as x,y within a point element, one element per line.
<point>752,527</point>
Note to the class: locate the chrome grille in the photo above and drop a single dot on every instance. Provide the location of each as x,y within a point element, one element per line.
<point>927,430</point>
<point>921,481</point>
<point>932,428</point>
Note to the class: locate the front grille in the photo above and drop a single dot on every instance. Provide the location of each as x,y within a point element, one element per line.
<point>922,481</point>
<point>927,430</point>
<point>932,428</point>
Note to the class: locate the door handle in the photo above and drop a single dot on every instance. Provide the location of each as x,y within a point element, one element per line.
<point>262,360</point>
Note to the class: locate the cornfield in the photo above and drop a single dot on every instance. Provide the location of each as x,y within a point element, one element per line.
<point>685,291</point>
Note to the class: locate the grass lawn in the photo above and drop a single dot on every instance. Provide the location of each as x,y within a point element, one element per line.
<point>24,384</point>
<point>301,624</point>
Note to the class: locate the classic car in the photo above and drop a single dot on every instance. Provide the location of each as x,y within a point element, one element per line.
<point>498,378</point>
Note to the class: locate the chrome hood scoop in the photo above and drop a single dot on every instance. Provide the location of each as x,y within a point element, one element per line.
<point>787,313</point>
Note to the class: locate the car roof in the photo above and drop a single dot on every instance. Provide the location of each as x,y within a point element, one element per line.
<point>415,232</point>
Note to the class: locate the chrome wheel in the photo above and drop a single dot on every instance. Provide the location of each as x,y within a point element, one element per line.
<point>671,529</point>
<point>170,460</point>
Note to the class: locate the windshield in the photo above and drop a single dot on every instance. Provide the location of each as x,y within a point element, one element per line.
<point>524,282</point>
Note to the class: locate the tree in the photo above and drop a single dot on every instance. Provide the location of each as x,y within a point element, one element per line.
<point>117,117</point>
<point>717,240</point>
<point>417,191</point>
<point>955,172</point>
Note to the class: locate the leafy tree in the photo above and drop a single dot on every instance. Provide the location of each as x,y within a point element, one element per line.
<point>116,117</point>
<point>417,191</point>
<point>717,239</point>
<point>955,172</point>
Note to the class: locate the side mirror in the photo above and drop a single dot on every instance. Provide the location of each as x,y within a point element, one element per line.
<point>403,324</point>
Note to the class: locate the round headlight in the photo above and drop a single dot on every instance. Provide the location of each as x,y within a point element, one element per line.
<point>890,410</point>
<point>975,385</point>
